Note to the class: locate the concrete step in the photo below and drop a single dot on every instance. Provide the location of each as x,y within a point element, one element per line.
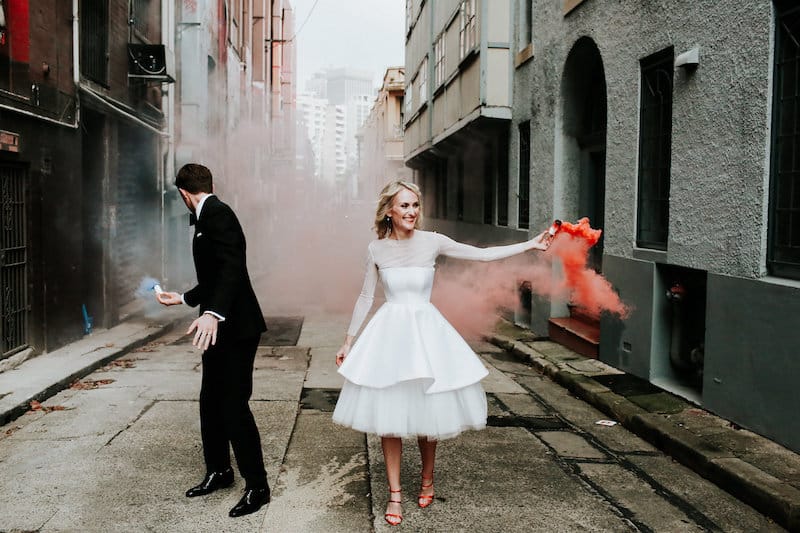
<point>577,334</point>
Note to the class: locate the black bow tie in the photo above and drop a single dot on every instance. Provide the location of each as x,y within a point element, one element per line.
<point>192,219</point>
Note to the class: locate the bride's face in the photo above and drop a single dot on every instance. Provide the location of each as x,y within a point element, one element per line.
<point>404,211</point>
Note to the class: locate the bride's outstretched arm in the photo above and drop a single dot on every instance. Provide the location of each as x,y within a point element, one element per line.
<point>451,248</point>
<point>362,307</point>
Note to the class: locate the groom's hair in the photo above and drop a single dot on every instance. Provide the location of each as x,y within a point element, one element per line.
<point>194,178</point>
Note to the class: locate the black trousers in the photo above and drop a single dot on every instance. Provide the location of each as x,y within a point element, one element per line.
<point>225,415</point>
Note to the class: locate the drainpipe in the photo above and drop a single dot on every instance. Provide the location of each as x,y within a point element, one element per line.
<point>76,61</point>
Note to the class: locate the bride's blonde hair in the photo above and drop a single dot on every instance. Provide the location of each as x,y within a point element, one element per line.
<point>383,224</point>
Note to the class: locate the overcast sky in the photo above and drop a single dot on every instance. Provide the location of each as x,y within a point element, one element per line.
<point>364,34</point>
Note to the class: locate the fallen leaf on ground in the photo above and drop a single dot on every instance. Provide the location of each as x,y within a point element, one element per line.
<point>119,363</point>
<point>149,347</point>
<point>37,406</point>
<point>10,431</point>
<point>90,383</point>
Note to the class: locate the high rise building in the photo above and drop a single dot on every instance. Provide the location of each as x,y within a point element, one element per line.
<point>335,105</point>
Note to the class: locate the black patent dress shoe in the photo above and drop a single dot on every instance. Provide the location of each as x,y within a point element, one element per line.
<point>212,482</point>
<point>251,502</point>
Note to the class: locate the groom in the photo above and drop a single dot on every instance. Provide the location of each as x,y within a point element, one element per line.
<point>227,330</point>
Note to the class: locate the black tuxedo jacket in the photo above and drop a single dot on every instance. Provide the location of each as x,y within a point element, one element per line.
<point>223,284</point>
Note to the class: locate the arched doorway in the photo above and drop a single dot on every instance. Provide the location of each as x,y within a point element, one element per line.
<point>583,100</point>
<point>580,176</point>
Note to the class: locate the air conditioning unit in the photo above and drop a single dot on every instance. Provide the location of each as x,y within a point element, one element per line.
<point>148,61</point>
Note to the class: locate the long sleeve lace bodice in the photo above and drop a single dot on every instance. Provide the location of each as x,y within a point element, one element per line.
<point>421,250</point>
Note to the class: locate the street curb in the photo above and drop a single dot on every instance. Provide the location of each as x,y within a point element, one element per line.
<point>769,495</point>
<point>14,412</point>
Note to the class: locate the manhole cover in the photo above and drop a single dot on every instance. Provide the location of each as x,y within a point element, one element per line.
<point>319,399</point>
<point>282,331</point>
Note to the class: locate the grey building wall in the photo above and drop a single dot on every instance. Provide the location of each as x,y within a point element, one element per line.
<point>720,122</point>
<point>719,187</point>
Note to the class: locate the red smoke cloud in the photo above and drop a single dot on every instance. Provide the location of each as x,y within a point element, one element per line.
<point>469,294</point>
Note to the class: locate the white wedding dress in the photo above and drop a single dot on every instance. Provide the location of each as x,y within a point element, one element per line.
<point>410,373</point>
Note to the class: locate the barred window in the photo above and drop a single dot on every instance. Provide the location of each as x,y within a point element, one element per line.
<point>467,35</point>
<point>783,253</point>
<point>94,40</point>
<point>439,67</point>
<point>655,150</point>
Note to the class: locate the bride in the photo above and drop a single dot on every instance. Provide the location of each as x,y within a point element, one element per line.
<point>410,373</point>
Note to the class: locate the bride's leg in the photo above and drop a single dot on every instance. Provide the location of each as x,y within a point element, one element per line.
<point>392,455</point>
<point>427,449</point>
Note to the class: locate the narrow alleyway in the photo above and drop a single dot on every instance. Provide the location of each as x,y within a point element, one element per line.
<point>116,451</point>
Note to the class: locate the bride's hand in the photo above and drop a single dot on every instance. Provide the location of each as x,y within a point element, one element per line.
<point>341,354</point>
<point>542,241</point>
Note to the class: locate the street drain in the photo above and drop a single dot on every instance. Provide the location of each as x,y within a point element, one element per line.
<point>319,399</point>
<point>532,423</point>
<point>281,331</point>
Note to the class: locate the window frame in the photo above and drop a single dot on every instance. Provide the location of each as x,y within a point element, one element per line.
<point>657,162</point>
<point>440,65</point>
<point>778,264</point>
<point>422,79</point>
<point>102,56</point>
<point>467,32</point>
<point>524,175</point>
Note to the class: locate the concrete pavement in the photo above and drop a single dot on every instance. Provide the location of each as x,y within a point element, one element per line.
<point>116,451</point>
<point>755,469</point>
<point>40,377</point>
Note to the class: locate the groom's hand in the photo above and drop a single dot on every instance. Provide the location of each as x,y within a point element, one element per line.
<point>206,335</point>
<point>169,298</point>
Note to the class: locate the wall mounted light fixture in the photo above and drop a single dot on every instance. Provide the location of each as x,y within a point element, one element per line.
<point>689,59</point>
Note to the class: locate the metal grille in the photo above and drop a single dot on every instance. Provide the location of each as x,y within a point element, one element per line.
<point>655,139</point>
<point>140,17</point>
<point>13,261</point>
<point>94,40</point>
<point>784,252</point>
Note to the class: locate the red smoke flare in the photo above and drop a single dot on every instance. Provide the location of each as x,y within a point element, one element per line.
<point>587,288</point>
<point>583,231</point>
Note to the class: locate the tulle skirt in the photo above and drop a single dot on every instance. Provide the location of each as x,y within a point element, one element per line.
<point>405,409</point>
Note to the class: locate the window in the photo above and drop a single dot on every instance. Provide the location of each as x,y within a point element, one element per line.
<point>439,71</point>
<point>460,190</point>
<point>523,199</point>
<point>525,9</point>
<point>502,179</point>
<point>409,14</point>
<point>423,80</point>
<point>408,98</point>
<point>15,48</point>
<point>655,148</point>
<point>783,253</point>
<point>140,11</point>
<point>441,189</point>
<point>467,35</point>
<point>489,184</point>
<point>94,40</point>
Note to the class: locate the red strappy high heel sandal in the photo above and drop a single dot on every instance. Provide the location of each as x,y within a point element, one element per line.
<point>391,518</point>
<point>425,500</point>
